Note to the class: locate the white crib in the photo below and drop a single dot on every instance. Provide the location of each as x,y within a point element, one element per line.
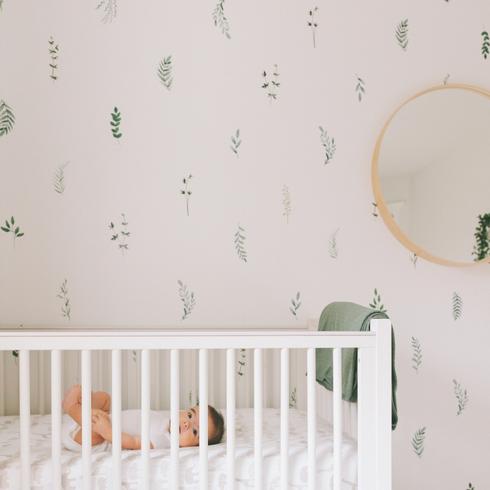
<point>373,411</point>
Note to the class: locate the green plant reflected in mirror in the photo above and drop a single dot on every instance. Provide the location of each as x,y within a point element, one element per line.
<point>431,174</point>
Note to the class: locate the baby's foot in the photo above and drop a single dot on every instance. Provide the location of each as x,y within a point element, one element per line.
<point>101,423</point>
<point>72,397</point>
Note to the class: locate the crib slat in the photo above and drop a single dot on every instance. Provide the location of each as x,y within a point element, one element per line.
<point>258,416</point>
<point>116,419</point>
<point>25,416</point>
<point>337,418</point>
<point>145,418</point>
<point>230,417</point>
<point>203,419</point>
<point>56,418</point>
<point>284,417</point>
<point>86,420</point>
<point>311,407</point>
<point>174,417</point>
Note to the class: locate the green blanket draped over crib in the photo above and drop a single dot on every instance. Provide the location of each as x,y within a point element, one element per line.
<point>345,316</point>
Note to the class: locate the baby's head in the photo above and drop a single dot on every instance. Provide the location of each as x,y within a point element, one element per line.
<point>189,426</point>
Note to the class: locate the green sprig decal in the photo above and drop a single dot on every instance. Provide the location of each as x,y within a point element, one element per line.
<point>401,34</point>
<point>286,202</point>
<point>312,24</point>
<point>63,295</point>
<point>470,487</point>
<point>485,47</point>
<point>271,85</point>
<point>457,306</point>
<point>115,123</point>
<point>122,236</point>
<point>413,259</point>
<point>165,72</point>
<point>418,440</point>
<point>376,303</point>
<point>235,142</point>
<point>188,299</point>
<point>220,19</point>
<point>481,248</point>
<point>242,362</point>
<point>296,304</point>
<point>293,398</point>
<point>240,244</point>
<point>328,144</point>
<point>186,191</point>
<point>54,50</point>
<point>360,88</point>
<point>374,211</point>
<point>109,8</point>
<point>417,354</point>
<point>11,228</point>
<point>461,396</point>
<point>7,118</point>
<point>59,179</point>
<point>332,245</point>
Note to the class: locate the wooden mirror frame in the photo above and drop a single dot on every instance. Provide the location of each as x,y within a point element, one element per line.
<point>378,196</point>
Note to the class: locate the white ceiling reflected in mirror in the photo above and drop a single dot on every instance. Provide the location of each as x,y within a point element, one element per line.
<point>431,174</point>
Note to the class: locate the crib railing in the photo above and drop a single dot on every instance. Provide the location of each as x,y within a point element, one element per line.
<point>374,396</point>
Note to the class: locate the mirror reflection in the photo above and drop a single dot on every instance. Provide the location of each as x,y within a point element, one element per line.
<point>433,173</point>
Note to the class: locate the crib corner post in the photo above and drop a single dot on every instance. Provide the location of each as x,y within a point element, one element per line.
<point>382,328</point>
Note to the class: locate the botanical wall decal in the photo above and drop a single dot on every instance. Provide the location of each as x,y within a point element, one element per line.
<point>121,236</point>
<point>63,295</point>
<point>312,24</point>
<point>482,247</point>
<point>376,303</point>
<point>240,244</point>
<point>374,211</point>
<point>186,191</point>
<point>10,227</point>
<point>116,123</point>
<point>413,259</point>
<point>332,245</point>
<point>360,88</point>
<point>328,144</point>
<point>293,398</point>
<point>286,202</point>
<point>418,441</point>
<point>54,50</point>
<point>235,142</point>
<point>295,304</point>
<point>485,46</point>
<point>59,179</point>
<point>109,9</point>
<point>461,396</point>
<point>401,34</point>
<point>457,306</point>
<point>165,72</point>
<point>242,362</point>
<point>417,354</point>
<point>188,299</point>
<point>7,118</point>
<point>271,84</point>
<point>220,19</point>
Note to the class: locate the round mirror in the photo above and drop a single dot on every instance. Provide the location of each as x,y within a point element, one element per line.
<point>431,174</point>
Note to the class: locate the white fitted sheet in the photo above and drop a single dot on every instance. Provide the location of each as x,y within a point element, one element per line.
<point>189,467</point>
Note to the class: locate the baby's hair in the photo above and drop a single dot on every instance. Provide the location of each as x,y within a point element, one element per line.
<point>219,425</point>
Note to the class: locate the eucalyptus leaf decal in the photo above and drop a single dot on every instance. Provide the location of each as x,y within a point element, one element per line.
<point>188,299</point>
<point>457,306</point>
<point>401,34</point>
<point>482,235</point>
<point>242,362</point>
<point>485,47</point>
<point>220,19</point>
<point>165,72</point>
<point>417,354</point>
<point>328,144</point>
<point>418,441</point>
<point>286,202</point>
<point>59,179</point>
<point>376,303</point>
<point>7,118</point>
<point>312,24</point>
<point>11,227</point>
<point>332,245</point>
<point>293,398</point>
<point>374,210</point>
<point>271,84</point>
<point>115,123</point>
<point>295,304</point>
<point>121,236</point>
<point>109,9</point>
<point>63,295</point>
<point>360,88</point>
<point>240,244</point>
<point>235,142</point>
<point>461,396</point>
<point>54,50</point>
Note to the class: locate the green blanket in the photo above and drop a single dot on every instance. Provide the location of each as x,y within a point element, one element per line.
<point>349,317</point>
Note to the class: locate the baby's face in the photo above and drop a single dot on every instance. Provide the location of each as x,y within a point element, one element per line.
<point>189,427</point>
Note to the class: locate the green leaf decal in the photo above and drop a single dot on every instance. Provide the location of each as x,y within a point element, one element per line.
<point>7,118</point>
<point>295,304</point>
<point>109,7</point>
<point>461,396</point>
<point>312,24</point>
<point>220,19</point>
<point>188,299</point>
<point>63,295</point>
<point>54,51</point>
<point>401,34</point>
<point>417,354</point>
<point>481,247</point>
<point>59,179</point>
<point>418,440</point>
<point>165,72</point>
<point>240,244</point>
<point>286,202</point>
<point>328,144</point>
<point>457,306</point>
<point>360,88</point>
<point>271,85</point>
<point>115,123</point>
<point>485,44</point>
<point>11,228</point>
<point>122,235</point>
<point>332,245</point>
<point>235,142</point>
<point>376,303</point>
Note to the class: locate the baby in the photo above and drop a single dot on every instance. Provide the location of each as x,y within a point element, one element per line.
<point>131,424</point>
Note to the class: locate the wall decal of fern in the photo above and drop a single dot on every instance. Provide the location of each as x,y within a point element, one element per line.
<point>360,88</point>
<point>165,72</point>
<point>115,123</point>
<point>295,304</point>
<point>109,9</point>
<point>286,202</point>
<point>376,303</point>
<point>10,227</point>
<point>63,295</point>
<point>293,398</point>
<point>481,248</point>
<point>7,118</point>
<point>242,362</point>
<point>240,243</point>
<point>59,179</point>
<point>188,299</point>
<point>271,85</point>
<point>332,245</point>
<point>470,487</point>
<point>401,34</point>
<point>413,259</point>
<point>418,441</point>
<point>122,235</point>
<point>312,24</point>
<point>220,19</point>
<point>461,396</point>
<point>54,50</point>
<point>485,47</point>
<point>416,354</point>
<point>328,144</point>
<point>186,191</point>
<point>457,306</point>
<point>446,79</point>
<point>235,142</point>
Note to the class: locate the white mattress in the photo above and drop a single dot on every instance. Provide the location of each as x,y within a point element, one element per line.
<point>189,467</point>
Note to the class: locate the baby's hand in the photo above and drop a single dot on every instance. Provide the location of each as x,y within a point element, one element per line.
<point>101,423</point>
